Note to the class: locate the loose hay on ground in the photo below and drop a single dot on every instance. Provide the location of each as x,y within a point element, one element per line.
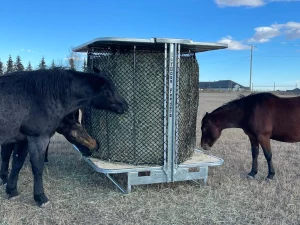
<point>81,196</point>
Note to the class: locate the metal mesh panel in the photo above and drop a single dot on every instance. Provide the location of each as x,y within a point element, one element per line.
<point>137,137</point>
<point>188,95</point>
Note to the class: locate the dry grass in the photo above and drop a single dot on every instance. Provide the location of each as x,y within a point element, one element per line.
<point>81,196</point>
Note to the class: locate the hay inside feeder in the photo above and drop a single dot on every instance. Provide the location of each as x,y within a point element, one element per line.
<point>137,137</point>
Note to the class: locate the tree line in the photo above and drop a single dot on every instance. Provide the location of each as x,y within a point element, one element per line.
<point>12,66</point>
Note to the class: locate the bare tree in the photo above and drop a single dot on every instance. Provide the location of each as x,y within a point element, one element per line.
<point>72,63</point>
<point>61,63</point>
<point>52,64</point>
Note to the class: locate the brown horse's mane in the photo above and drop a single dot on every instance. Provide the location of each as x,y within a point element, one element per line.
<point>252,98</point>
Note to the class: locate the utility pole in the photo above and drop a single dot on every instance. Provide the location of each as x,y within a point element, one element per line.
<point>251,66</point>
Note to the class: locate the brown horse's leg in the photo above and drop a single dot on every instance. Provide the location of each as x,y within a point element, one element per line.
<point>266,146</point>
<point>255,152</point>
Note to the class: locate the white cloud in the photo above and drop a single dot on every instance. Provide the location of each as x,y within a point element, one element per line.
<point>233,44</point>
<point>237,3</point>
<point>291,30</point>
<point>249,3</point>
<point>283,0</point>
<point>264,34</point>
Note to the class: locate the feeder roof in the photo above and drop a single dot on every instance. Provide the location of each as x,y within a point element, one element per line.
<point>187,45</point>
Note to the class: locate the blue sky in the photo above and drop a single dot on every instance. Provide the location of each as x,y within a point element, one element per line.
<point>33,29</point>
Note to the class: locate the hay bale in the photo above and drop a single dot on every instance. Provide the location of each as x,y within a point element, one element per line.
<point>188,106</point>
<point>137,137</point>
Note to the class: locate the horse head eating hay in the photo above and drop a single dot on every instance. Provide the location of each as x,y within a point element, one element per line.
<point>70,128</point>
<point>262,116</point>
<point>33,103</point>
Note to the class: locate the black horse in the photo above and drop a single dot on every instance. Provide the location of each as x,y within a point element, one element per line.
<point>70,128</point>
<point>262,116</point>
<point>33,104</point>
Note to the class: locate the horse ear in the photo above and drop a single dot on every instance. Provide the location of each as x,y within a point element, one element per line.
<point>206,113</point>
<point>96,70</point>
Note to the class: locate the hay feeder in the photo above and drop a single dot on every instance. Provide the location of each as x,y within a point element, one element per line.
<point>154,142</point>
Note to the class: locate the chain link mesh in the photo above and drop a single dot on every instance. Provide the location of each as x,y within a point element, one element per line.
<point>137,137</point>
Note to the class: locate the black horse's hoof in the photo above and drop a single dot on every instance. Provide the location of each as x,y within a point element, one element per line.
<point>12,198</point>
<point>41,200</point>
<point>11,194</point>
<point>3,182</point>
<point>269,180</point>
<point>250,177</point>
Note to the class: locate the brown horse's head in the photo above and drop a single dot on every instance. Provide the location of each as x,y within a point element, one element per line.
<point>76,134</point>
<point>210,132</point>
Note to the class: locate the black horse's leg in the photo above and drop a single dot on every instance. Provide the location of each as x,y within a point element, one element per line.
<point>37,148</point>
<point>46,153</point>
<point>6,151</point>
<point>255,152</point>
<point>266,146</point>
<point>19,155</point>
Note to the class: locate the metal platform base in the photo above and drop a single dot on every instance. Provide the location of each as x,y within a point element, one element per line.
<point>195,168</point>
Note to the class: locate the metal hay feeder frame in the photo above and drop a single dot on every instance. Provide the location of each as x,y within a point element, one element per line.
<point>195,168</point>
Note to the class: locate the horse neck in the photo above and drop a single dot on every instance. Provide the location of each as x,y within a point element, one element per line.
<point>229,117</point>
<point>78,103</point>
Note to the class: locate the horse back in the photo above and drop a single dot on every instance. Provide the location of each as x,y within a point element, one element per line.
<point>279,117</point>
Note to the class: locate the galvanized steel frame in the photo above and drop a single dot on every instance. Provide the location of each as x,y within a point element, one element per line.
<point>157,174</point>
<point>171,171</point>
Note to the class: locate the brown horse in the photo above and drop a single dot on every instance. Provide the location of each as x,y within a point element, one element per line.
<point>70,127</point>
<point>262,116</point>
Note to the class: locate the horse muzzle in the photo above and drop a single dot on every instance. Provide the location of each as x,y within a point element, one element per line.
<point>205,147</point>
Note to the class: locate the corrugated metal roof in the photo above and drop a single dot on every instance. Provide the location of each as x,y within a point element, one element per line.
<point>105,43</point>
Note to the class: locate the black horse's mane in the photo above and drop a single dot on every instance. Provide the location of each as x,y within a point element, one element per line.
<point>45,83</point>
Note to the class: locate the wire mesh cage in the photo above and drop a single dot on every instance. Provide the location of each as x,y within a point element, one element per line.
<point>139,136</point>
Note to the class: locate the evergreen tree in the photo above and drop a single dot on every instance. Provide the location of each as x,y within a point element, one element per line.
<point>18,66</point>
<point>42,64</point>
<point>9,65</point>
<point>52,64</point>
<point>84,66</point>
<point>29,67</point>
<point>72,63</point>
<point>1,68</point>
